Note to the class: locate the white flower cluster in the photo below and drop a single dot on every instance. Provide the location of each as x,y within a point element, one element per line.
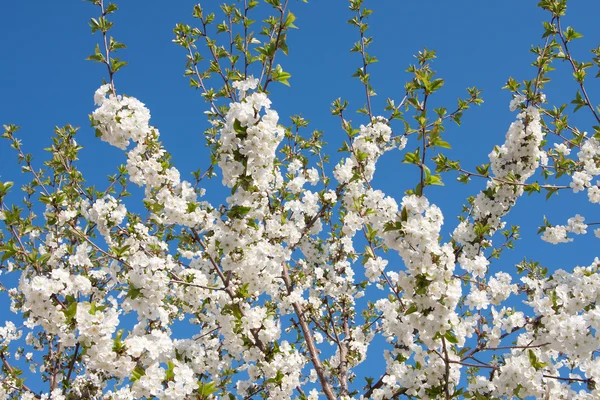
<point>245,85</point>
<point>8,333</point>
<point>517,101</point>
<point>263,255</point>
<point>370,143</point>
<point>94,322</point>
<point>286,365</point>
<point>500,288</point>
<point>120,119</point>
<point>516,160</point>
<point>558,233</point>
<point>39,295</point>
<point>106,212</point>
<point>249,139</point>
<point>428,290</point>
<point>588,157</point>
<point>427,287</point>
<point>300,176</point>
<point>565,338</point>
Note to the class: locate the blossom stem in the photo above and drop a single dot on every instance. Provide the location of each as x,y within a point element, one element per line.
<point>504,181</point>
<point>309,340</point>
<point>446,370</point>
<point>267,70</point>
<point>10,370</point>
<point>588,103</point>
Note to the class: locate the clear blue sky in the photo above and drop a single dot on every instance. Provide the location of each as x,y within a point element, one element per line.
<point>46,82</point>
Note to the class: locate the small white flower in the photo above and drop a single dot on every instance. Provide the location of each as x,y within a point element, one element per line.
<point>516,102</point>
<point>562,149</point>
<point>556,234</point>
<point>100,94</point>
<point>576,225</point>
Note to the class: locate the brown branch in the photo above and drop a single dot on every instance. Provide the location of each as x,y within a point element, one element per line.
<point>574,67</point>
<point>272,59</point>
<point>11,371</point>
<point>378,385</point>
<point>309,340</point>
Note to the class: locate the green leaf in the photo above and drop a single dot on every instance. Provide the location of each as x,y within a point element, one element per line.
<point>170,373</point>
<point>464,178</point>
<point>137,373</point>
<point>206,389</point>
<point>289,20</point>
<point>533,187</point>
<point>412,309</point>
<point>239,129</point>
<point>4,187</point>
<point>483,169</point>
<point>134,293</point>
<point>435,85</point>
<point>116,64</point>
<point>114,45</point>
<point>570,34</point>
<point>94,24</point>
<point>578,101</point>
<point>549,29</point>
<point>118,345</point>
<point>438,142</point>
<point>238,211</point>
<point>278,378</point>
<point>450,337</point>
<point>412,158</point>
<point>9,251</point>
<point>278,75</point>
<point>535,363</point>
<point>111,8</point>
<point>97,56</point>
<point>71,311</point>
<point>434,180</point>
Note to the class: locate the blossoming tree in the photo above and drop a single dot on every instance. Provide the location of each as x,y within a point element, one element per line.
<point>270,282</point>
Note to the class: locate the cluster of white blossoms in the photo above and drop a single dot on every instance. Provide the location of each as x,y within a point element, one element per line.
<point>563,339</point>
<point>558,233</point>
<point>80,312</point>
<point>106,212</point>
<point>517,101</point>
<point>300,176</point>
<point>371,142</point>
<point>589,162</point>
<point>563,333</point>
<point>8,333</point>
<point>588,157</point>
<point>516,160</point>
<point>39,294</point>
<point>249,139</point>
<point>426,309</point>
<point>250,272</point>
<point>426,288</point>
<point>120,118</point>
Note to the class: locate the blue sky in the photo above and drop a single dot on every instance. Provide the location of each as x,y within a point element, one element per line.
<point>46,82</point>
